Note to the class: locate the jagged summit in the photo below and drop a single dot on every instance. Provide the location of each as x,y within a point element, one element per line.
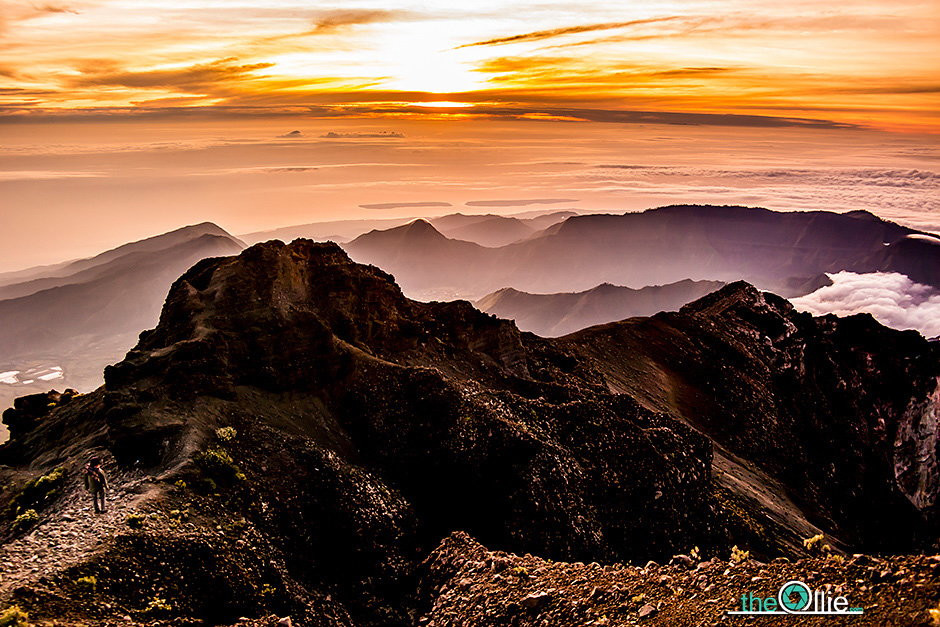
<point>301,299</point>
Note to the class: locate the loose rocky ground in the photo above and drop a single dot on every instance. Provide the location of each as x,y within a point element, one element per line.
<point>469,585</point>
<point>69,530</point>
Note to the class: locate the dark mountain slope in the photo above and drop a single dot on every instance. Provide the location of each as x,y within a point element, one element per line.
<point>725,243</point>
<point>365,427</point>
<point>551,315</point>
<point>785,390</point>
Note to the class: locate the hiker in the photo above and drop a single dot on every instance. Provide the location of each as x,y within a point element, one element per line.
<point>96,483</point>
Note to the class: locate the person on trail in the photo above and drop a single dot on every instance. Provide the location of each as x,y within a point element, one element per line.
<point>96,483</point>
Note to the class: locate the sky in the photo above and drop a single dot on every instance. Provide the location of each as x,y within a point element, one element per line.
<point>120,119</point>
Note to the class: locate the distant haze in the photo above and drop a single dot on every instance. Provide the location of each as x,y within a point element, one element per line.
<point>69,190</point>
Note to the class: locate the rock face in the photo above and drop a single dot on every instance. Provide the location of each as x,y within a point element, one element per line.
<point>842,411</point>
<point>295,421</point>
<point>474,424</point>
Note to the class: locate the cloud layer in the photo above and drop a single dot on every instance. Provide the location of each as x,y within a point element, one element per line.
<point>892,298</point>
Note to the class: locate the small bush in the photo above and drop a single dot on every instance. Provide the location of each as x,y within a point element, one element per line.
<point>135,521</point>
<point>87,585</point>
<point>25,520</point>
<point>817,545</point>
<point>933,612</point>
<point>40,490</point>
<point>739,555</point>
<point>226,434</point>
<point>181,515</point>
<point>219,467</point>
<point>157,606</point>
<point>14,617</point>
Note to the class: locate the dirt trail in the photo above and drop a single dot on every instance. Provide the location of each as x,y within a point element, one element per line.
<point>68,528</point>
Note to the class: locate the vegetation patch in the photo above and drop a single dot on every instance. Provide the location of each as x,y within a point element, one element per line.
<point>25,521</point>
<point>14,617</point>
<point>817,545</point>
<point>218,468</point>
<point>87,585</point>
<point>226,434</point>
<point>40,491</point>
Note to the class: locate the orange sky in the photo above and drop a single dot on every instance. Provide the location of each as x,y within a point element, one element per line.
<point>850,62</point>
<point>120,119</point>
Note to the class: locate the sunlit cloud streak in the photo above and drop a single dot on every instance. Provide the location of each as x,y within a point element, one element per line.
<point>568,30</point>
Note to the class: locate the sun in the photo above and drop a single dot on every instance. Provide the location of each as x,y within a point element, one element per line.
<point>439,72</point>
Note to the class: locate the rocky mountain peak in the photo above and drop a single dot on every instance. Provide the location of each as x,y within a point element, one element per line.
<point>281,315</point>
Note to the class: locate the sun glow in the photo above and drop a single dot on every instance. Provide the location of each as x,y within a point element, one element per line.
<point>441,104</point>
<point>858,63</point>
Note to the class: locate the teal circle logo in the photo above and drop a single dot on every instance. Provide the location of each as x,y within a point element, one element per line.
<point>794,596</point>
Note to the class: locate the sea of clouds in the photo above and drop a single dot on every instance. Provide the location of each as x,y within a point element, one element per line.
<point>892,298</point>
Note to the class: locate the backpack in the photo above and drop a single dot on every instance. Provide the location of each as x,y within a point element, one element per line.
<point>93,476</point>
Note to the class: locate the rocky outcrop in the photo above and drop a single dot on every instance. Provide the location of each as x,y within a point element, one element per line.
<point>473,422</point>
<point>296,424</point>
<point>841,411</point>
<point>27,411</point>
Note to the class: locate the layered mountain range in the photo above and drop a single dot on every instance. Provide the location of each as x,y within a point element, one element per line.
<point>69,321</point>
<point>484,229</point>
<point>63,323</point>
<point>552,315</point>
<point>784,252</point>
<point>296,436</point>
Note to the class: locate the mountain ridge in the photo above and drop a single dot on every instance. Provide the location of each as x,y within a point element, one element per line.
<point>553,315</point>
<point>784,252</point>
<point>347,429</point>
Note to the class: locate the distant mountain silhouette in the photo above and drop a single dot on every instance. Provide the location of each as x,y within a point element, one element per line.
<point>495,231</point>
<point>485,229</point>
<point>89,312</point>
<point>785,252</point>
<point>424,260</point>
<point>552,315</point>
<point>85,270</point>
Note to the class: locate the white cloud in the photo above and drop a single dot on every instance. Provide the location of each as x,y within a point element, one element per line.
<point>892,298</point>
